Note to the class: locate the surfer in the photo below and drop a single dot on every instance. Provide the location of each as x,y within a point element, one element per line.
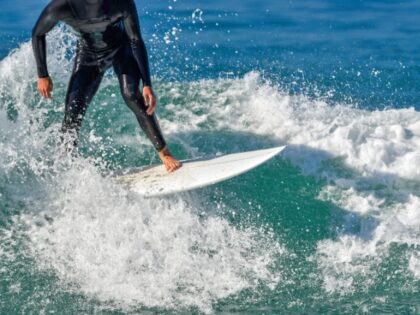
<point>108,34</point>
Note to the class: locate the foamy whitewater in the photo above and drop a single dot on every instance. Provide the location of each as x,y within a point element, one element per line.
<point>74,224</point>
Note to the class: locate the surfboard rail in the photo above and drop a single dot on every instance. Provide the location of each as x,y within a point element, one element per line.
<point>154,180</point>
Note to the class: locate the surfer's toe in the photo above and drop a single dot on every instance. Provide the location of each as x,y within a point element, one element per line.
<point>172,165</point>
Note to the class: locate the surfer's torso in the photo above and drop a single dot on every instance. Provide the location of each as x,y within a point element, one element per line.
<point>102,27</point>
<point>96,23</point>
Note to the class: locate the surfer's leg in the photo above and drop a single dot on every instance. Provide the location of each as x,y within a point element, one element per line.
<point>129,77</point>
<point>84,83</point>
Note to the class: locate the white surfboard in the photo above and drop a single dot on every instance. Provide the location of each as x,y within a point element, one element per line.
<point>156,181</point>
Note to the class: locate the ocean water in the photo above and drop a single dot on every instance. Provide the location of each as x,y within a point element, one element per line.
<point>332,226</point>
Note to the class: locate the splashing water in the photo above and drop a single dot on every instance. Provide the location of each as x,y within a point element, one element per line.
<point>94,235</point>
<point>73,223</point>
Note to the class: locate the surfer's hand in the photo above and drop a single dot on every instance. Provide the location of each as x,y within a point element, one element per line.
<point>45,87</point>
<point>150,99</point>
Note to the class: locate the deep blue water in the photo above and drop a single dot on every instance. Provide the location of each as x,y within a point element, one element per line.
<point>330,227</point>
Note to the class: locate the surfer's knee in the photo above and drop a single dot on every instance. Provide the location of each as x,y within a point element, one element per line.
<point>129,93</point>
<point>134,101</point>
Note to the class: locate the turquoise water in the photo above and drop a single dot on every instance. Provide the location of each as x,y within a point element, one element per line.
<point>330,227</point>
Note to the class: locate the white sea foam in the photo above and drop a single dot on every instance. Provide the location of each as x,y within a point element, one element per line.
<point>385,142</point>
<point>370,158</point>
<point>158,253</point>
<point>111,245</point>
<point>121,248</point>
<point>414,264</point>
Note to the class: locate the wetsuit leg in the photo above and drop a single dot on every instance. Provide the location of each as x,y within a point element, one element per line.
<point>84,83</point>
<point>127,70</point>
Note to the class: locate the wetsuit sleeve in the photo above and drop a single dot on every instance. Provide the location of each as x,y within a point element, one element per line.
<point>132,28</point>
<point>46,21</point>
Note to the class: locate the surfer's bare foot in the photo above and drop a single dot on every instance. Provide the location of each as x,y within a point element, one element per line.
<point>168,160</point>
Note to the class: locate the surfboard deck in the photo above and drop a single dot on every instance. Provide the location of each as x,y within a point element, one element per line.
<point>194,173</point>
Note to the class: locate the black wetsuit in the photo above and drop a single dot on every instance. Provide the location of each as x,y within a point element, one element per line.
<point>108,35</point>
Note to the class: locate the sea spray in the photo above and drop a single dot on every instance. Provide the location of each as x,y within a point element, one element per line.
<point>75,224</point>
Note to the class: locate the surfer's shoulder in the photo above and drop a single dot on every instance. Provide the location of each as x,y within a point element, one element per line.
<point>58,8</point>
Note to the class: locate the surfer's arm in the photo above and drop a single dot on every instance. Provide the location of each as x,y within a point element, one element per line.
<point>46,21</point>
<point>132,28</point>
